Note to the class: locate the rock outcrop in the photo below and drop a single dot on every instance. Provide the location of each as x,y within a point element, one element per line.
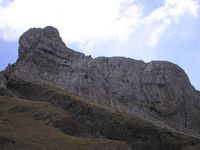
<point>157,91</point>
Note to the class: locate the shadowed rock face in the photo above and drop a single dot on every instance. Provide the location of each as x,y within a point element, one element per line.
<point>155,90</point>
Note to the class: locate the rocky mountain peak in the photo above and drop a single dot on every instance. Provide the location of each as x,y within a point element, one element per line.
<point>158,90</point>
<point>37,39</point>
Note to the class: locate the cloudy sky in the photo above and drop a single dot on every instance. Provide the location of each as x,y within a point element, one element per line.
<point>140,29</point>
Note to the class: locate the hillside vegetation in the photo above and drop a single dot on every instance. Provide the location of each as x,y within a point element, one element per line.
<point>65,121</point>
<point>26,124</point>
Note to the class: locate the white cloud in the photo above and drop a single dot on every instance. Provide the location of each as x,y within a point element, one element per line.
<point>161,18</point>
<point>91,21</point>
<point>77,20</point>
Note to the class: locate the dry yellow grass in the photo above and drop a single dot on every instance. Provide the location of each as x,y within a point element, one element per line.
<point>22,130</point>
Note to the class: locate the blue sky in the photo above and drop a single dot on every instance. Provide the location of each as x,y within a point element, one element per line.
<point>139,29</point>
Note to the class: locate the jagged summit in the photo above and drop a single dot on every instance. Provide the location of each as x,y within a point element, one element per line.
<point>46,40</point>
<point>157,91</point>
<point>37,38</point>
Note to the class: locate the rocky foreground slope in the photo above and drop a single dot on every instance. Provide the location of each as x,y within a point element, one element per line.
<point>143,105</point>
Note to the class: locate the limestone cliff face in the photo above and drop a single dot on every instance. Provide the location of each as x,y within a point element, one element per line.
<point>158,90</point>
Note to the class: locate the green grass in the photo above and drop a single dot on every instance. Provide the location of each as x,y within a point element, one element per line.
<point>14,104</point>
<point>21,128</point>
<point>18,126</point>
<point>123,101</point>
<point>32,121</point>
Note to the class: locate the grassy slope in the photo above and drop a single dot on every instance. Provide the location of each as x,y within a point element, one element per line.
<point>77,117</point>
<point>24,124</point>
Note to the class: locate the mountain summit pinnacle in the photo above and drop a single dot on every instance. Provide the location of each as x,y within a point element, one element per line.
<point>41,39</point>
